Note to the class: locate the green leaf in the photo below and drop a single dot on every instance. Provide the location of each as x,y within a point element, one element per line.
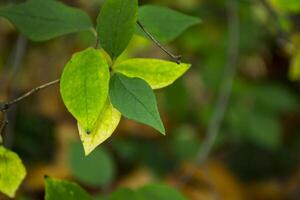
<point>64,190</point>
<point>97,169</point>
<point>12,172</point>
<point>116,25</point>
<point>84,87</point>
<point>159,192</point>
<point>123,194</point>
<point>42,20</point>
<point>284,5</point>
<point>163,23</point>
<point>294,71</point>
<point>134,98</point>
<point>148,192</point>
<point>157,73</point>
<point>106,124</point>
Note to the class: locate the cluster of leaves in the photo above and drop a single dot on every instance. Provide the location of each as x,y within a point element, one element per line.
<point>94,86</point>
<point>97,88</point>
<point>59,189</point>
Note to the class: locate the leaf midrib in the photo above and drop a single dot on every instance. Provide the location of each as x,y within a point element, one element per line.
<point>132,94</point>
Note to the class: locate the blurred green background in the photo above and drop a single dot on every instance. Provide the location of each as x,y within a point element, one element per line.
<point>256,153</point>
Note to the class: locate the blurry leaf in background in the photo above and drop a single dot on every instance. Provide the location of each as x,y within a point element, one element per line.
<point>275,98</point>
<point>148,192</point>
<point>134,98</point>
<point>159,192</point>
<point>64,190</point>
<point>264,130</point>
<point>42,20</point>
<point>97,169</point>
<point>124,193</point>
<point>294,70</point>
<point>84,87</point>
<point>177,105</point>
<point>184,143</point>
<point>108,121</point>
<point>286,5</point>
<point>12,172</point>
<point>116,25</point>
<point>157,73</point>
<point>151,153</point>
<point>255,111</point>
<point>34,131</point>
<point>163,23</point>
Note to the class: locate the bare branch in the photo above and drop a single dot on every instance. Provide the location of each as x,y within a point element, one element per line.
<point>6,106</point>
<point>3,126</point>
<point>177,59</point>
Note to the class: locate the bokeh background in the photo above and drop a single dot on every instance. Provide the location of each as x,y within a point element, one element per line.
<point>256,152</point>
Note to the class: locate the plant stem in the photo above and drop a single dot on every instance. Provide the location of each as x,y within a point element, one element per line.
<point>177,59</point>
<point>7,105</point>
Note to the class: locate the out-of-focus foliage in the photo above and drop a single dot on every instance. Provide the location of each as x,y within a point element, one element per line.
<point>98,169</point>
<point>148,192</point>
<point>287,6</point>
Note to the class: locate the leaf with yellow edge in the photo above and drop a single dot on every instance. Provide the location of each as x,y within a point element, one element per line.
<point>157,73</point>
<point>106,124</point>
<point>12,172</point>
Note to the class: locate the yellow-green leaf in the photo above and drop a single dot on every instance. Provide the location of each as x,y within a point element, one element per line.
<point>157,73</point>
<point>107,123</point>
<point>12,172</point>
<point>294,71</point>
<point>84,87</point>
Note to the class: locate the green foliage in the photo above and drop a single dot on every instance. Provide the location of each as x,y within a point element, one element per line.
<point>253,117</point>
<point>157,73</point>
<point>287,5</point>
<point>107,122</point>
<point>84,87</point>
<point>12,172</point>
<point>159,192</point>
<point>124,193</point>
<point>134,98</point>
<point>116,25</point>
<point>42,20</point>
<point>58,189</point>
<point>163,23</point>
<point>294,71</point>
<point>148,192</point>
<point>184,143</point>
<point>97,169</point>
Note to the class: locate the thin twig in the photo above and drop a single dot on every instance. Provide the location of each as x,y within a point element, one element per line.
<point>225,90</point>
<point>3,126</point>
<point>6,106</point>
<point>177,59</point>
